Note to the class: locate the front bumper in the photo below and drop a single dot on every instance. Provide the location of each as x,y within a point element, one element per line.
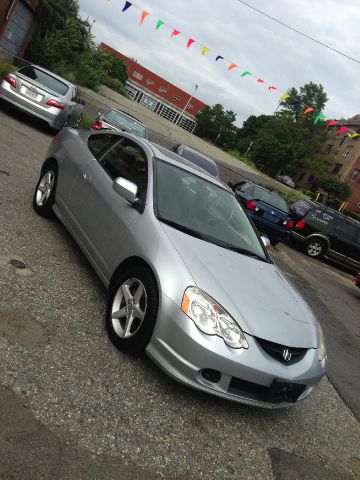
<point>247,376</point>
<point>53,116</point>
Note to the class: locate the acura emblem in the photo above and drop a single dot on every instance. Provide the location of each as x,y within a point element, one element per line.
<point>286,354</point>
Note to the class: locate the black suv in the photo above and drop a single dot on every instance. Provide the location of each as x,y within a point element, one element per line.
<point>326,232</point>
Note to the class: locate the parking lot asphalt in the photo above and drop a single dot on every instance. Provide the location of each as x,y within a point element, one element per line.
<point>106,407</point>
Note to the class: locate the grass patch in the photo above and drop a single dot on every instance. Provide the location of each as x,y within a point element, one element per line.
<point>85,123</point>
<point>5,69</point>
<point>115,85</point>
<point>238,156</point>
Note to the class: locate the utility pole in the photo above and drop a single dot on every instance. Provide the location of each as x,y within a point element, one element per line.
<point>249,148</point>
<point>184,109</point>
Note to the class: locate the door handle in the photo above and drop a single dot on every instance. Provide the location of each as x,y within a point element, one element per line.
<point>87,177</point>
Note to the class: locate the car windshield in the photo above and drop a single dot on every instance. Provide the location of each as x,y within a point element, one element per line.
<point>271,199</point>
<point>199,208</point>
<point>201,160</point>
<point>45,79</point>
<point>127,123</point>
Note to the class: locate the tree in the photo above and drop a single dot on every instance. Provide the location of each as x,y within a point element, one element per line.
<point>216,125</point>
<point>309,95</point>
<point>334,187</point>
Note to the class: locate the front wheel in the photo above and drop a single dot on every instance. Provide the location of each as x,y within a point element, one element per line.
<point>132,309</point>
<point>315,248</point>
<point>44,195</point>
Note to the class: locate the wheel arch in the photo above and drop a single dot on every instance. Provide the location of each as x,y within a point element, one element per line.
<point>49,161</point>
<point>134,261</point>
<point>319,236</point>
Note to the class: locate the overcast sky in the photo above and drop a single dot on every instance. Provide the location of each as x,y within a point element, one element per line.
<point>228,28</point>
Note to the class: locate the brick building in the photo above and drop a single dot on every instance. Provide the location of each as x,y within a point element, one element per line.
<point>17,20</point>
<point>159,95</point>
<point>344,154</point>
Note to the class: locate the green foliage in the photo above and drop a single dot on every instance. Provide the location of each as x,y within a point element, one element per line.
<point>115,84</point>
<point>334,187</point>
<point>85,123</point>
<point>215,124</point>
<point>63,43</point>
<point>238,156</point>
<point>5,69</point>
<point>309,95</point>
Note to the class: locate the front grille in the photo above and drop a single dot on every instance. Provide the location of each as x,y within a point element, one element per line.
<point>275,350</point>
<point>278,392</point>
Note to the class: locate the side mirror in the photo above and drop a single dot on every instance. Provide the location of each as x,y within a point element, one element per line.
<point>125,189</point>
<point>265,241</point>
<point>98,114</point>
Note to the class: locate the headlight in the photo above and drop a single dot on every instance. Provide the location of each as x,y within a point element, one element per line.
<point>322,347</point>
<point>211,318</point>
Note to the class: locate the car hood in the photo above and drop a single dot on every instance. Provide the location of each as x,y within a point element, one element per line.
<point>255,293</point>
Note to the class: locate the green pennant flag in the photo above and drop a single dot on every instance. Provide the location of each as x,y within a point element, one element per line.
<point>159,23</point>
<point>319,117</point>
<point>245,73</point>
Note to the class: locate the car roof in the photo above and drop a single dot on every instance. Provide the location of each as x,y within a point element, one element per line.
<point>263,187</point>
<point>327,209</point>
<point>124,113</point>
<point>63,80</point>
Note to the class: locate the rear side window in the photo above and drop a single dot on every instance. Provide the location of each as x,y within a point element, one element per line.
<point>271,199</point>
<point>45,79</point>
<point>242,187</point>
<point>301,208</point>
<point>98,144</point>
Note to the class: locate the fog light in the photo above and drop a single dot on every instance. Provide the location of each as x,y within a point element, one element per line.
<point>213,376</point>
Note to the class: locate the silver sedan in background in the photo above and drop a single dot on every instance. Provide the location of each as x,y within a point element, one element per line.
<point>189,279</point>
<point>43,94</point>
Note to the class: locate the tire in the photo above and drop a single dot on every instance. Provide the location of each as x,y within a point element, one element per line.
<point>134,298</point>
<point>44,195</point>
<point>315,248</point>
<point>273,241</point>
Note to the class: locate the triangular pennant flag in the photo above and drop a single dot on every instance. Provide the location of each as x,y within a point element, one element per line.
<point>272,88</point>
<point>333,122</point>
<point>219,57</point>
<point>232,66</point>
<point>126,6</point>
<point>284,97</point>
<point>159,23</point>
<point>354,135</point>
<point>260,80</point>
<point>143,16</point>
<point>204,50</point>
<point>190,42</point>
<point>308,110</point>
<point>341,130</point>
<point>319,117</point>
<point>245,73</point>
<point>175,33</point>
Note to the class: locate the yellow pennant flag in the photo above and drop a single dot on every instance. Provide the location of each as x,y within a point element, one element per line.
<point>204,50</point>
<point>353,135</point>
<point>284,97</point>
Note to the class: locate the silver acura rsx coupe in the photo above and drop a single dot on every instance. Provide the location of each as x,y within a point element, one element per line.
<point>189,279</point>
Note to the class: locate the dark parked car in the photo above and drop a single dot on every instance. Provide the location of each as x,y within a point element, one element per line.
<point>114,119</point>
<point>198,158</point>
<point>268,210</point>
<point>326,232</point>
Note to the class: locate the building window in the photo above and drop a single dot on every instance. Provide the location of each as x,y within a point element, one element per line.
<point>162,90</point>
<point>175,97</point>
<point>354,174</point>
<point>149,82</point>
<point>337,168</point>
<point>333,155</point>
<point>168,113</point>
<point>347,151</point>
<point>138,75</point>
<point>131,90</point>
<point>329,148</point>
<point>190,105</point>
<point>187,124</point>
<point>149,101</point>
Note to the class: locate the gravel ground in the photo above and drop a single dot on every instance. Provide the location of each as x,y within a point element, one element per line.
<point>74,381</point>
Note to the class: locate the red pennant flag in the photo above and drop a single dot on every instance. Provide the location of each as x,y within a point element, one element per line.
<point>232,66</point>
<point>272,88</point>
<point>333,122</point>
<point>175,33</point>
<point>190,42</point>
<point>143,16</point>
<point>260,80</point>
<point>308,110</point>
<point>342,129</point>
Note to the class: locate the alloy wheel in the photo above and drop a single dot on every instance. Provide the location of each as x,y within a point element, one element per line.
<point>314,249</point>
<point>45,188</point>
<point>129,308</point>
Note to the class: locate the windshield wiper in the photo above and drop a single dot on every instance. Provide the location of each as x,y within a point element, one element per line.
<point>244,251</point>
<point>182,228</point>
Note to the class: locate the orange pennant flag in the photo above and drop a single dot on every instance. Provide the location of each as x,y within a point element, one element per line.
<point>308,110</point>
<point>143,16</point>
<point>232,66</point>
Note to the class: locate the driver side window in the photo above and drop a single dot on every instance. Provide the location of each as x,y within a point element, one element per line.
<point>127,160</point>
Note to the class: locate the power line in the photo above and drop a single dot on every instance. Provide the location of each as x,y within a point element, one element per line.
<point>298,31</point>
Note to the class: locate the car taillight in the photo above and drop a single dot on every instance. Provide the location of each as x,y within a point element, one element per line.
<point>300,224</point>
<point>250,204</point>
<point>96,126</point>
<point>290,223</point>
<point>56,104</point>
<point>11,80</point>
